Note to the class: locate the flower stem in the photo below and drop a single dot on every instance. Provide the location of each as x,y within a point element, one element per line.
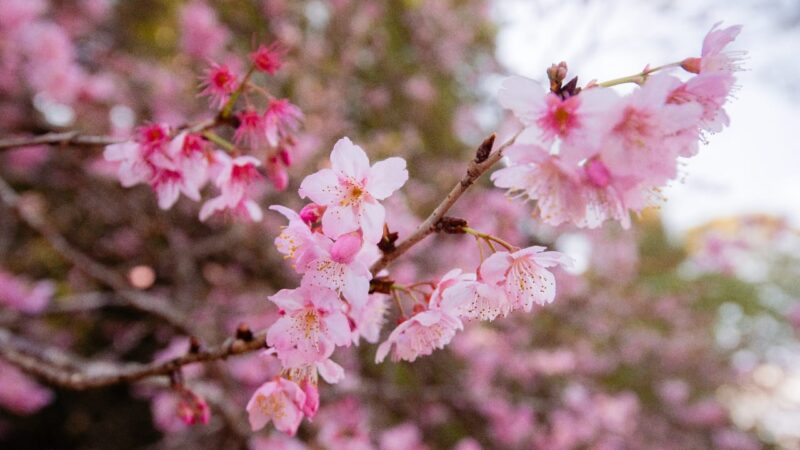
<point>219,140</point>
<point>638,78</point>
<point>228,108</point>
<point>489,239</point>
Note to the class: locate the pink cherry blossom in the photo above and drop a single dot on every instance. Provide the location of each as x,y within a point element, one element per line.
<point>268,59</point>
<point>250,129</point>
<point>297,241</point>
<point>567,193</point>
<point>280,401</point>
<point>420,335</point>
<point>370,317</point>
<point>710,91</point>
<point>19,393</point>
<point>524,275</point>
<point>171,167</point>
<point>473,299</point>
<point>234,179</point>
<point>647,133</point>
<point>351,189</point>
<point>219,83</point>
<point>576,121</point>
<point>338,268</point>
<point>281,119</point>
<point>713,57</point>
<point>313,323</point>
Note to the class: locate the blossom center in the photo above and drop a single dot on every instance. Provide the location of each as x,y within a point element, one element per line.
<point>272,406</point>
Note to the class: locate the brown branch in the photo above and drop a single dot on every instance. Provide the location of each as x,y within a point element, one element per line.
<point>476,168</point>
<point>75,138</point>
<point>71,372</point>
<point>138,300</point>
<point>65,138</point>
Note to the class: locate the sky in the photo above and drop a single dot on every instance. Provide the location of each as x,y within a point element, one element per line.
<point>751,167</point>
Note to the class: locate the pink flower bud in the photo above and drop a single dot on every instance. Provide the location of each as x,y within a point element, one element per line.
<point>312,213</point>
<point>311,404</point>
<point>346,247</point>
<point>597,173</point>
<point>286,157</point>
<point>691,65</point>
<point>277,175</point>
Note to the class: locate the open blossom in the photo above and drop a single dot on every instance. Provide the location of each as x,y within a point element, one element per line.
<point>280,401</point>
<point>567,193</point>
<point>234,179</point>
<point>250,129</point>
<point>524,275</point>
<point>421,334</point>
<point>312,324</point>
<point>297,241</point>
<point>576,120</point>
<point>473,299</point>
<point>170,166</point>
<point>370,317</point>
<point>268,59</point>
<point>219,83</point>
<point>338,267</point>
<point>713,56</point>
<point>281,119</point>
<point>647,133</point>
<point>351,189</point>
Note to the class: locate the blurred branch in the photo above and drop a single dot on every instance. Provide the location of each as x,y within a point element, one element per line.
<point>483,161</point>
<point>65,138</point>
<point>71,372</point>
<point>86,140</point>
<point>138,300</point>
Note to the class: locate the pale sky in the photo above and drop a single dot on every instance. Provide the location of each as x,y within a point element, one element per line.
<point>754,165</point>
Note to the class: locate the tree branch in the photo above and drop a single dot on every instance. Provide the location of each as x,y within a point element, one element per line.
<point>476,168</point>
<point>88,140</point>
<point>71,372</point>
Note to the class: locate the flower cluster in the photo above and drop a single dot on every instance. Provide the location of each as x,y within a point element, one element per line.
<point>332,242</point>
<point>590,155</point>
<point>183,161</point>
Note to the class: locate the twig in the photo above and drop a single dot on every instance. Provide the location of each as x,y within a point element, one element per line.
<point>71,372</point>
<point>474,171</point>
<point>87,140</point>
<point>65,138</point>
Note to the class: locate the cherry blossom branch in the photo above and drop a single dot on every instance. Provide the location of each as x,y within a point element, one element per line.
<point>71,372</point>
<point>86,140</point>
<point>138,300</point>
<point>637,78</point>
<point>483,161</point>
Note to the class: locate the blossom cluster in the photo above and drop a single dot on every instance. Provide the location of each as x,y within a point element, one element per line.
<point>590,155</point>
<point>332,242</point>
<point>175,161</point>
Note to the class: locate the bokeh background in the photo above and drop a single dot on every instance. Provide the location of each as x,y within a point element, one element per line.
<point>679,333</point>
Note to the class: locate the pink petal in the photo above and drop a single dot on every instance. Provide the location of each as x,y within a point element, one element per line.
<point>373,216</point>
<point>387,176</point>
<point>321,187</point>
<point>339,220</point>
<point>349,160</point>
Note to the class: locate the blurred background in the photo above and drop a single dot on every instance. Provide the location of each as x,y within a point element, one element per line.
<point>679,333</point>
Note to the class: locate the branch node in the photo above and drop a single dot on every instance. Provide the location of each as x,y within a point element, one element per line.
<point>485,149</point>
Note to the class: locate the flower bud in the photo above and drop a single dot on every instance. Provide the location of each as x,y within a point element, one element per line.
<point>346,247</point>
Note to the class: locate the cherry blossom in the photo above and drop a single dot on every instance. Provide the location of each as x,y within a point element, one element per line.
<point>280,401</point>
<point>420,335</point>
<point>281,119</point>
<point>234,179</point>
<point>219,83</point>
<point>268,59</point>
<point>350,190</point>
<point>523,275</point>
<point>313,323</point>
